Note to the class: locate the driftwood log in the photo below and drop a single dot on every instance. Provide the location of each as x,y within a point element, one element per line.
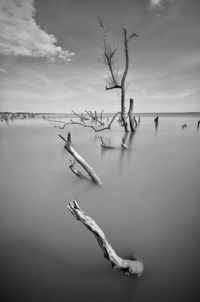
<point>129,267</point>
<point>106,146</point>
<point>80,160</point>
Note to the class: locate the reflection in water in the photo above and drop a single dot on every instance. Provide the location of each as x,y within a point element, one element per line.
<point>151,207</point>
<point>131,137</point>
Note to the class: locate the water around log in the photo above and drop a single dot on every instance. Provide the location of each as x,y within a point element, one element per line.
<point>148,205</point>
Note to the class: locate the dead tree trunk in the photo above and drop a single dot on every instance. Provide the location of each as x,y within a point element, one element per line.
<point>123,108</point>
<point>80,160</point>
<point>129,267</point>
<point>130,116</point>
<point>114,79</point>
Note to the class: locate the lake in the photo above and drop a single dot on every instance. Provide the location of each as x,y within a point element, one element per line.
<point>148,205</point>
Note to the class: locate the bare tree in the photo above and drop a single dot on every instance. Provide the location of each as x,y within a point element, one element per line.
<point>115,79</point>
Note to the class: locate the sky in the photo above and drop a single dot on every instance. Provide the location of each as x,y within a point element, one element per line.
<point>50,55</point>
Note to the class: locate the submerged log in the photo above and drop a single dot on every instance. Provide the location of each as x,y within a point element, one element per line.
<point>129,267</point>
<point>79,159</point>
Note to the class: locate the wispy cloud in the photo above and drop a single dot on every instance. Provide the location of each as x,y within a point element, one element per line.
<point>2,70</point>
<point>20,35</point>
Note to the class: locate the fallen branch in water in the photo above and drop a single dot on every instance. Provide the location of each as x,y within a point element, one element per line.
<point>80,160</point>
<point>129,267</point>
<point>83,124</point>
<point>75,171</point>
<point>106,146</point>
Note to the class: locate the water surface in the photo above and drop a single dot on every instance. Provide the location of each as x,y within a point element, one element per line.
<point>148,206</point>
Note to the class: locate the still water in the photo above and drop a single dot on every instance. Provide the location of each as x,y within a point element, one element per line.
<point>149,205</point>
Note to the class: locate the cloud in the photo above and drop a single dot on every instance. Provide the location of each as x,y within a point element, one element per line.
<point>2,70</point>
<point>159,4</point>
<point>20,35</point>
<point>156,4</point>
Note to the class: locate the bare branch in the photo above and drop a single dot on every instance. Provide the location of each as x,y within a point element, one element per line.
<point>100,122</point>
<point>113,87</point>
<point>83,124</point>
<point>129,267</point>
<point>79,159</point>
<point>81,116</point>
<point>110,60</point>
<point>88,113</point>
<point>74,170</point>
<point>92,115</point>
<point>133,35</point>
<point>101,115</point>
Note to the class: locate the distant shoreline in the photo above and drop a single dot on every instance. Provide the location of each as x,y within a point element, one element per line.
<point>70,115</point>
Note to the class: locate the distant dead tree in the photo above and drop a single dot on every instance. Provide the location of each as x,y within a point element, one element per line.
<point>115,79</point>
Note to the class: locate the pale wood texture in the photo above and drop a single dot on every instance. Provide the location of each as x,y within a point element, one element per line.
<point>129,267</point>
<point>80,160</point>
